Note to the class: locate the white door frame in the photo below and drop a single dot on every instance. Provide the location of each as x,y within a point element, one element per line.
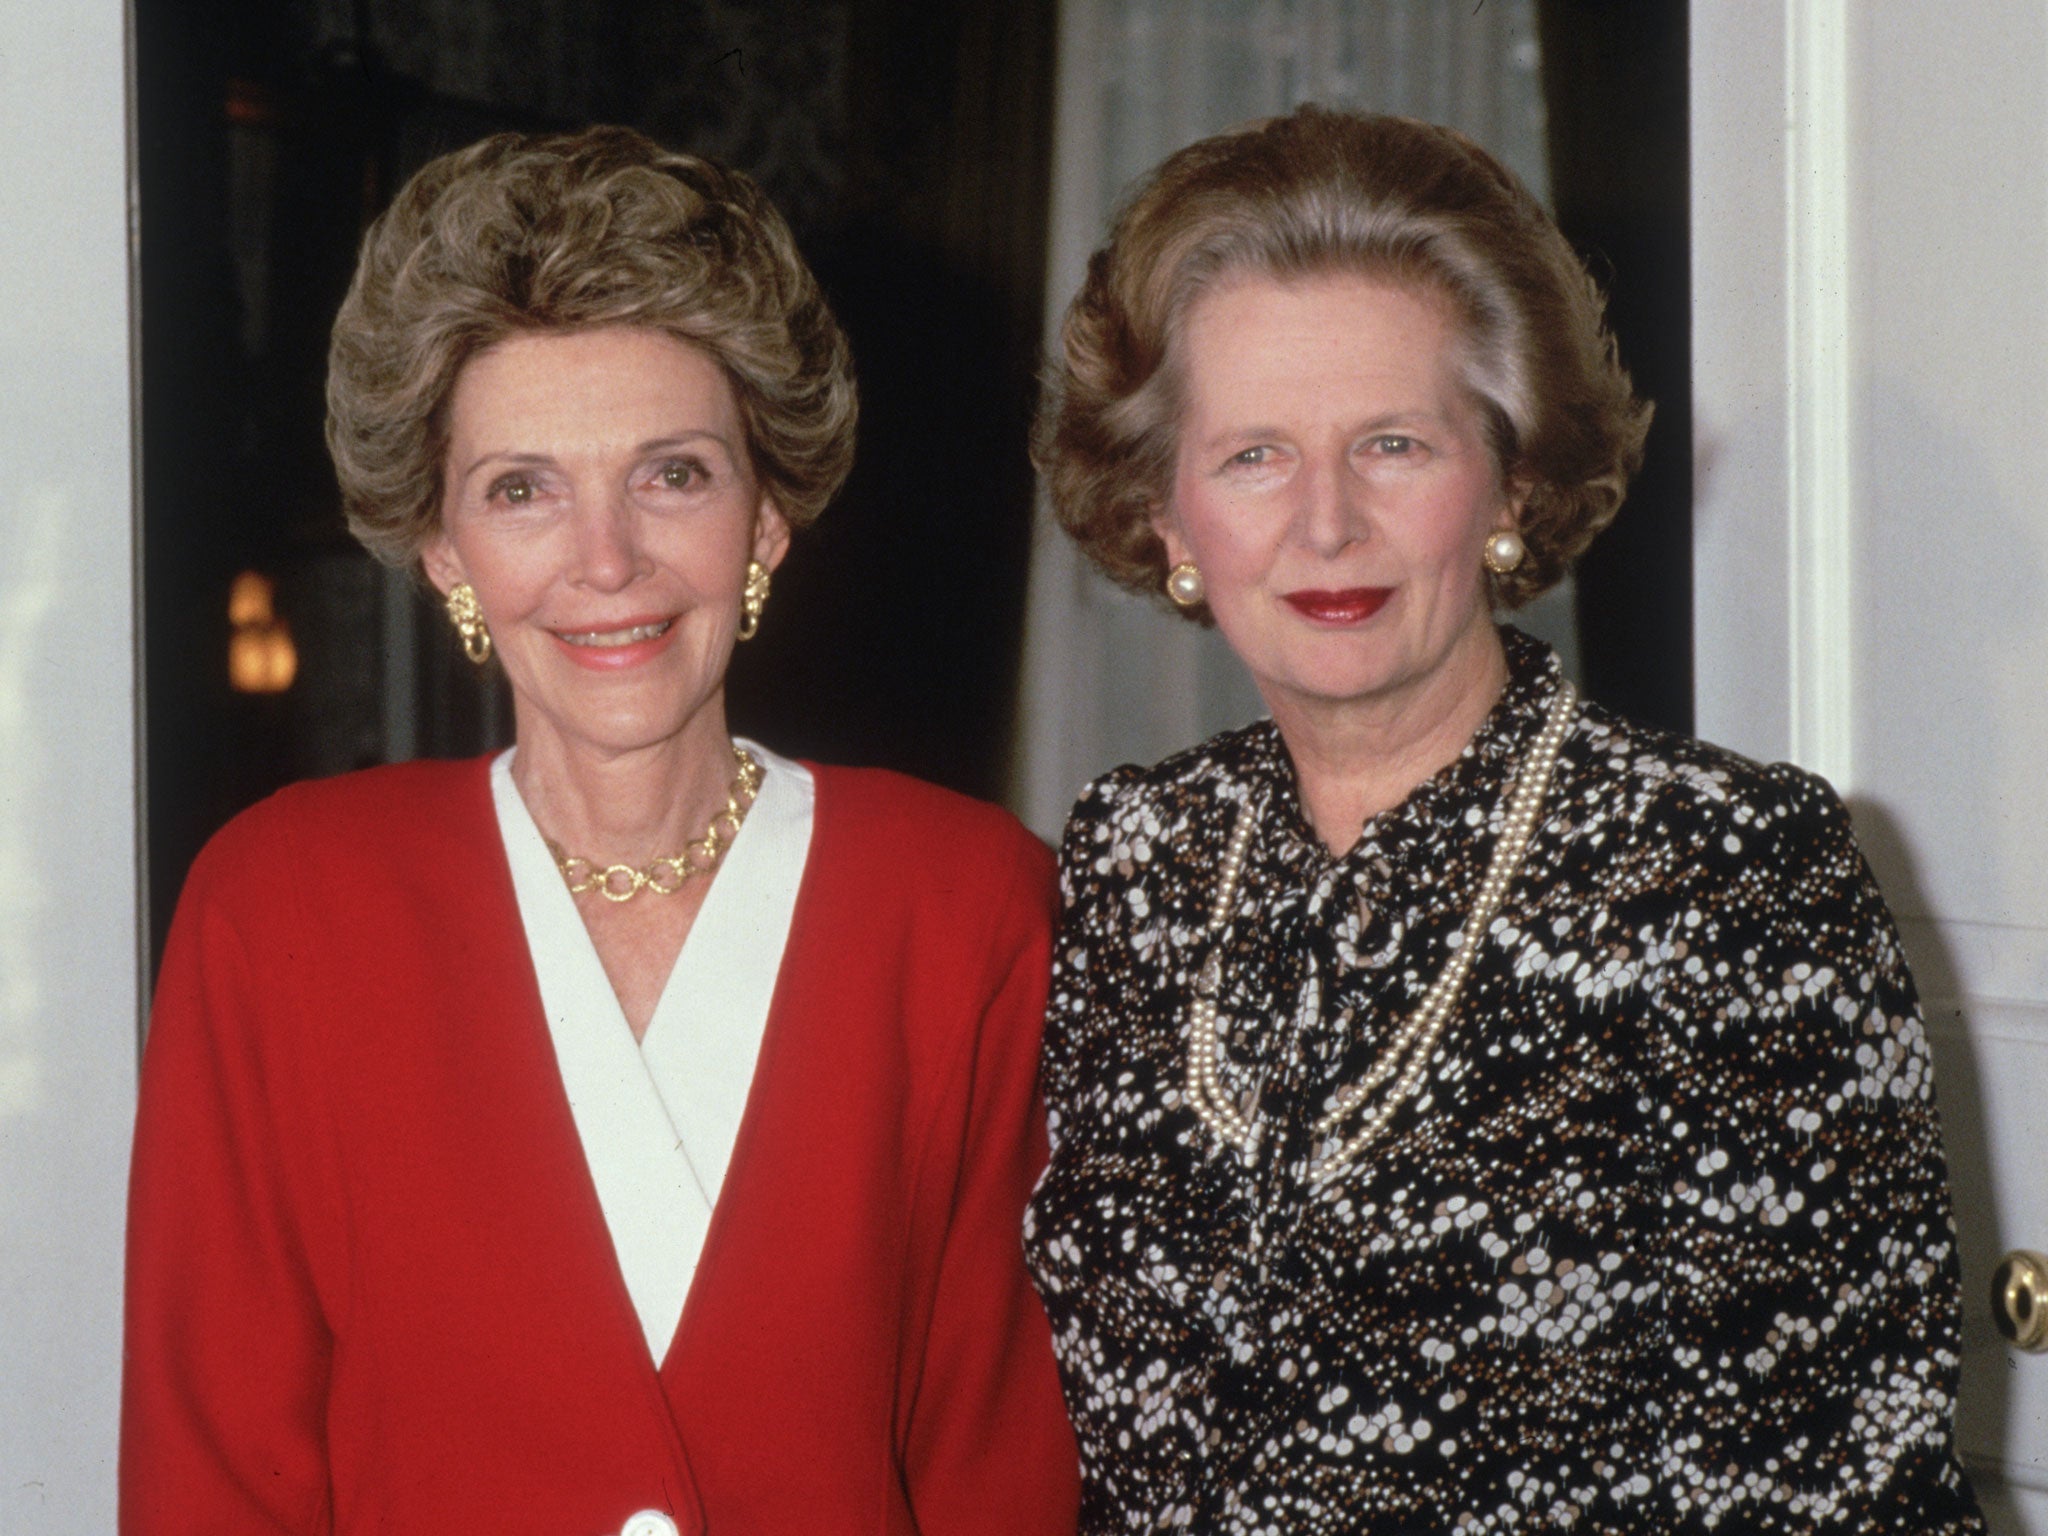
<point>70,846</point>
<point>1771,369</point>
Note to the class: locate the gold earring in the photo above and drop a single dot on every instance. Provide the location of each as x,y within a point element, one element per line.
<point>1184,584</point>
<point>1504,552</point>
<point>468,619</point>
<point>753,599</point>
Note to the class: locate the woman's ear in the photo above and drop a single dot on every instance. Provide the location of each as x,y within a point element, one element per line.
<point>771,533</point>
<point>1515,497</point>
<point>1167,526</point>
<point>438,559</point>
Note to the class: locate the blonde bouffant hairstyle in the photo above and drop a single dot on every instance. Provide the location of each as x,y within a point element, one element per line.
<point>521,233</point>
<point>1307,195</point>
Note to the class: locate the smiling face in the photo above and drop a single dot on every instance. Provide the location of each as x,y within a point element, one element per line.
<point>598,496</point>
<point>1335,487</point>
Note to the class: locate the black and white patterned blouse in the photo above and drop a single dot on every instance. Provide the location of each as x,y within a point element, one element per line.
<point>1662,1243</point>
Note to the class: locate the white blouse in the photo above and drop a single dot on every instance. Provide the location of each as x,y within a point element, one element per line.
<point>658,1118</point>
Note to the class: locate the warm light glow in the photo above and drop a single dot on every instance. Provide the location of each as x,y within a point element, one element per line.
<point>250,599</point>
<point>261,656</point>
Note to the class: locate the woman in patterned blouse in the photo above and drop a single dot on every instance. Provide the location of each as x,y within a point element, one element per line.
<point>1471,1112</point>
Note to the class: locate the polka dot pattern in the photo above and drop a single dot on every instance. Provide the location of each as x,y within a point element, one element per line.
<point>1663,1242</point>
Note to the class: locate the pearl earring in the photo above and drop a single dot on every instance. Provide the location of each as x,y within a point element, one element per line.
<point>1184,584</point>
<point>1504,552</point>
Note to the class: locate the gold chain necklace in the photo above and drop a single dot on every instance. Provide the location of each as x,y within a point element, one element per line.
<point>666,876</point>
<point>1407,1057</point>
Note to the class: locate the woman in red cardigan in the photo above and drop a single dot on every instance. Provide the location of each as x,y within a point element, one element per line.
<point>629,1134</point>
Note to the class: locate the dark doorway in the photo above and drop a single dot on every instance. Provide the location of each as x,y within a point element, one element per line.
<point>1614,82</point>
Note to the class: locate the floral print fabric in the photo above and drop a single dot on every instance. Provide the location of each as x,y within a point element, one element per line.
<point>1662,1243</point>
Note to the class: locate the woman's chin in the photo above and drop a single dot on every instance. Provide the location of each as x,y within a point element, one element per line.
<point>1333,673</point>
<point>1340,692</point>
<point>619,738</point>
<point>630,721</point>
<point>1363,667</point>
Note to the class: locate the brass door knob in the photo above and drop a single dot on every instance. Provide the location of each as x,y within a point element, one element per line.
<point>2019,1299</point>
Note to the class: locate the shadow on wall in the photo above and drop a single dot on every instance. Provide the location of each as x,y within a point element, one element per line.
<point>1985,1410</point>
<point>1950,737</point>
<point>1949,656</point>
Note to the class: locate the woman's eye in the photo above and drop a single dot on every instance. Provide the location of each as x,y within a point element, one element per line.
<point>1393,444</point>
<point>515,490</point>
<point>681,474</point>
<point>1253,458</point>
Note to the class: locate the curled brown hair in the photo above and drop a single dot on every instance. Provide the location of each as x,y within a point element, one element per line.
<point>1300,196</point>
<point>524,233</point>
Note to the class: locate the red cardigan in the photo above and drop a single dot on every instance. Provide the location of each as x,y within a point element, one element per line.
<point>370,1287</point>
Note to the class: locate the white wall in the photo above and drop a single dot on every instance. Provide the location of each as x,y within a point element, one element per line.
<point>1870,256</point>
<point>68,788</point>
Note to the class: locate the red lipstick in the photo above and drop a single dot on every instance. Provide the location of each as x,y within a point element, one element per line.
<point>1353,605</point>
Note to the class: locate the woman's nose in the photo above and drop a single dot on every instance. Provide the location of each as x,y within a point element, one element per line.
<point>608,547</point>
<point>1332,514</point>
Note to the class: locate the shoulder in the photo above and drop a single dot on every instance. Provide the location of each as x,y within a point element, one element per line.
<point>1705,850</point>
<point>923,896</point>
<point>394,814</point>
<point>1142,845</point>
<point>1697,796</point>
<point>309,895</point>
<point>1163,799</point>
<point>906,834</point>
<point>1228,755</point>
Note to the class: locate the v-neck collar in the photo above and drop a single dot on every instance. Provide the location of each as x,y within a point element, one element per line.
<point>657,1120</point>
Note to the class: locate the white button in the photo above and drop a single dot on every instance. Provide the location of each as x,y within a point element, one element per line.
<point>649,1522</point>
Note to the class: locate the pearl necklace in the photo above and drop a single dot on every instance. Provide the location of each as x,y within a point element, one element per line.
<point>1408,1056</point>
<point>667,875</point>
